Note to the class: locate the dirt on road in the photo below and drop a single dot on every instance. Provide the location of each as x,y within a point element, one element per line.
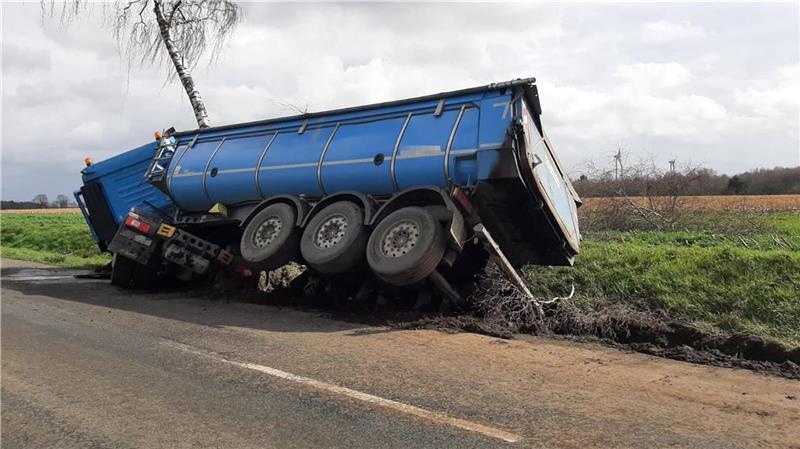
<point>98,365</point>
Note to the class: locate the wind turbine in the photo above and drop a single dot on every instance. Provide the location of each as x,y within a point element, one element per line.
<point>618,170</point>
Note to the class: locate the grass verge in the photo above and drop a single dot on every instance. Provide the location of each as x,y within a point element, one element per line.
<point>718,281</point>
<point>58,238</point>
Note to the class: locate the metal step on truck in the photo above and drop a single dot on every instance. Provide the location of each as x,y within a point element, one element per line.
<point>421,191</point>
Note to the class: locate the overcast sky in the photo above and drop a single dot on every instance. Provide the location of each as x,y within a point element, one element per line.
<point>711,84</point>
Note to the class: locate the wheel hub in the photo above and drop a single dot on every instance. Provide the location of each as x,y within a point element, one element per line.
<point>331,231</point>
<point>400,239</point>
<point>267,231</point>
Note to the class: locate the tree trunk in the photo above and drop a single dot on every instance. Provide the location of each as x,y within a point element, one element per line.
<point>183,72</point>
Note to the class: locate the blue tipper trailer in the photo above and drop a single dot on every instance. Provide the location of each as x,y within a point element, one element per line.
<point>423,190</point>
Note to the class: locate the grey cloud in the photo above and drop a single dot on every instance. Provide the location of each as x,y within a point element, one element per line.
<point>21,59</point>
<point>102,94</point>
<point>30,95</point>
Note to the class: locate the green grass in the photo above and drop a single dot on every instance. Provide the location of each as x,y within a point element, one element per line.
<point>58,239</point>
<point>699,239</point>
<point>787,223</point>
<point>732,282</point>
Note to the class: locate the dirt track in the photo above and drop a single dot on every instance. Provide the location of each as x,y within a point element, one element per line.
<point>85,364</point>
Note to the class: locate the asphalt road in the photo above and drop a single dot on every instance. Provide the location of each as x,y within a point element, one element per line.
<point>86,365</point>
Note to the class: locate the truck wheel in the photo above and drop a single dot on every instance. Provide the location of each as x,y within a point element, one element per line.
<point>335,238</point>
<point>406,246</point>
<point>146,276</point>
<point>126,273</point>
<point>271,239</point>
<point>122,271</point>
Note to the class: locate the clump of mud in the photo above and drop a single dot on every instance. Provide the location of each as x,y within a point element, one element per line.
<point>657,334</point>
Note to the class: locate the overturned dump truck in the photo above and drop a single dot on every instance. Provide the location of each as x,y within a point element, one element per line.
<point>414,192</point>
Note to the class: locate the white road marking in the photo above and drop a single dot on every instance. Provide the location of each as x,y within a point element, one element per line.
<point>437,417</point>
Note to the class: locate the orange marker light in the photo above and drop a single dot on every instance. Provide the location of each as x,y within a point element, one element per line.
<point>157,135</point>
<point>87,161</point>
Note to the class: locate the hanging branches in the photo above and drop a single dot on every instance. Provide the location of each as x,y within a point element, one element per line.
<point>160,32</point>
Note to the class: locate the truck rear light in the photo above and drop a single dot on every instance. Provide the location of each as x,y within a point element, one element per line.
<point>137,224</point>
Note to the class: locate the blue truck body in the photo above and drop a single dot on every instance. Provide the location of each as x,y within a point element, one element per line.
<point>379,151</point>
<point>482,140</point>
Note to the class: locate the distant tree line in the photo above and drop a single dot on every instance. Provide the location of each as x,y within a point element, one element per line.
<point>644,179</point>
<point>40,201</point>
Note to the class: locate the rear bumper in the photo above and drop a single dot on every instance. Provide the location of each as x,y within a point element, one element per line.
<point>155,238</point>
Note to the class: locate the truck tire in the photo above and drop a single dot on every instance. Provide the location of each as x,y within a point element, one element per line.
<point>406,246</point>
<point>271,239</point>
<point>334,241</point>
<point>126,273</point>
<point>122,271</point>
<point>146,276</point>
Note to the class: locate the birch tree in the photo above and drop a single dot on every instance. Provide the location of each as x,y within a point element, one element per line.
<point>175,33</point>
